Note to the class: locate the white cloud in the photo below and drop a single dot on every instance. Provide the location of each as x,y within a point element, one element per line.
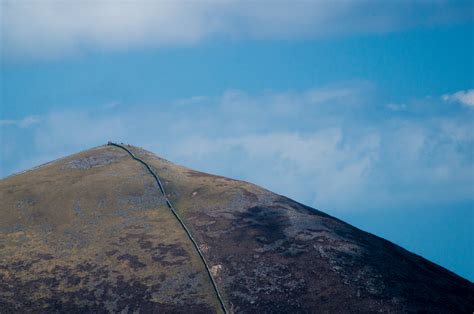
<point>111,105</point>
<point>21,123</point>
<point>396,107</point>
<point>331,147</point>
<point>50,28</point>
<point>465,98</point>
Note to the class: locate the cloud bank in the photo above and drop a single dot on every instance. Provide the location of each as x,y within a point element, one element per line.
<point>337,148</point>
<point>51,28</point>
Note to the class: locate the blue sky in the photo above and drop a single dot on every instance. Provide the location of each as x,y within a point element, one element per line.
<point>364,108</point>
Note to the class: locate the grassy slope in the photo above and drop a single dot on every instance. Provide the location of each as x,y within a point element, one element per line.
<point>88,230</point>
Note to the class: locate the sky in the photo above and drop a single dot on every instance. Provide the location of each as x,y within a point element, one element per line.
<point>364,110</point>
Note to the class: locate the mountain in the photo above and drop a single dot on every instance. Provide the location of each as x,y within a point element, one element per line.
<point>93,232</point>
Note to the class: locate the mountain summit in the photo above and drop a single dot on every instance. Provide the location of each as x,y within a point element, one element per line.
<point>94,232</point>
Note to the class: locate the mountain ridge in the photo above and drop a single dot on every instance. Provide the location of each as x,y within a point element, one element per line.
<point>266,252</point>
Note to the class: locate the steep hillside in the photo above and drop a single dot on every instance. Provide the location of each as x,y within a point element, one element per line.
<point>92,232</point>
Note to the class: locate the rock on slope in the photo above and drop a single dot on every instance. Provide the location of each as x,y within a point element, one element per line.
<point>92,232</point>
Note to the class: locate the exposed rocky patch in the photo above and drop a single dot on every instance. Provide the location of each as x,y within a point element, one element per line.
<point>99,159</point>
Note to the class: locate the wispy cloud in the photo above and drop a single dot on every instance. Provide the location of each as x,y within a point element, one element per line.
<point>463,97</point>
<point>52,28</point>
<point>21,123</point>
<point>336,147</point>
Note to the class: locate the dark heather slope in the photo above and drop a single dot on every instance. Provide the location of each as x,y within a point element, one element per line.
<point>92,233</point>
